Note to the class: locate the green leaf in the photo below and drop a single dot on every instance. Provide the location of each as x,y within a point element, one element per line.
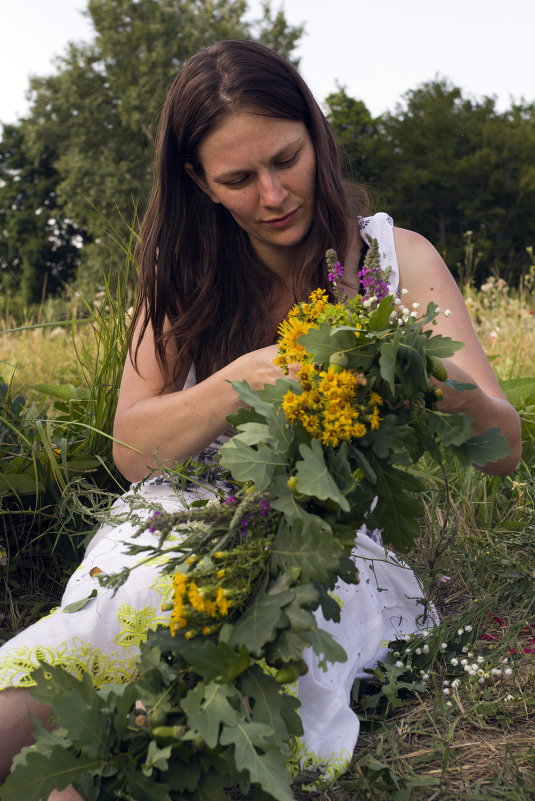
<point>19,484</point>
<point>40,774</point>
<point>310,549</point>
<point>388,361</point>
<point>64,392</point>
<point>392,437</point>
<point>441,347</point>
<point>483,448</point>
<point>314,478</point>
<point>156,758</point>
<point>397,512</point>
<point>208,708</point>
<point>325,340</point>
<point>326,647</point>
<point>261,620</point>
<point>216,661</point>
<point>269,704</point>
<point>381,316</point>
<point>254,433</point>
<point>77,605</point>
<point>144,788</point>
<point>520,392</point>
<point>268,769</point>
<point>250,464</point>
<point>451,429</point>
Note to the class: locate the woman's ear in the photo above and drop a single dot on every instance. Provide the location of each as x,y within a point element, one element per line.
<point>201,183</point>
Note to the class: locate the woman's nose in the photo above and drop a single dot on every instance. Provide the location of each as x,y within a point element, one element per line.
<point>272,190</point>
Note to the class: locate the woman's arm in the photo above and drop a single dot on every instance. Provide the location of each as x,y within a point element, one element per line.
<point>427,279</point>
<point>153,428</point>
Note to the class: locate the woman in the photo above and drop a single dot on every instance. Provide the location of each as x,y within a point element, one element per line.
<point>247,197</point>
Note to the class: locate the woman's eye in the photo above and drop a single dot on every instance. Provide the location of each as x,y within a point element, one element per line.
<point>288,162</point>
<point>237,182</point>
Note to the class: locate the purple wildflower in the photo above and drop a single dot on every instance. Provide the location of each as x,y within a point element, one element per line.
<point>336,271</point>
<point>230,499</point>
<point>265,507</point>
<point>243,525</point>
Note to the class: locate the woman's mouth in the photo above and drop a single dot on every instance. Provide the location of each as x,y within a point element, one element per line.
<point>281,222</point>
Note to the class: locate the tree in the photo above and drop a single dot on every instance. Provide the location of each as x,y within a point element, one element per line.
<point>38,252</point>
<point>94,120</point>
<point>446,165</point>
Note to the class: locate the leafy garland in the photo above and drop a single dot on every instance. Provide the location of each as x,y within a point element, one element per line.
<point>206,711</point>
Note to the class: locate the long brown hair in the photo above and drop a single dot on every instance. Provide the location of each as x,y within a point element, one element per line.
<point>202,286</point>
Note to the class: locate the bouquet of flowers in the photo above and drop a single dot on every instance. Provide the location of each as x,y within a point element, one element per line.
<point>310,455</point>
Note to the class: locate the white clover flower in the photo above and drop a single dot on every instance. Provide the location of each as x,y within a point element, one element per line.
<point>498,672</point>
<point>467,668</point>
<point>466,628</point>
<point>399,664</point>
<point>509,698</point>
<point>446,691</point>
<point>404,291</point>
<point>400,321</point>
<point>447,313</point>
<point>448,703</point>
<point>481,680</point>
<point>425,634</point>
<point>481,659</point>
<point>464,662</point>
<point>454,661</point>
<point>443,646</point>
<point>414,315</point>
<point>397,301</point>
<point>415,305</point>
<point>418,651</point>
<point>425,677</point>
<point>407,637</point>
<point>408,651</point>
<point>507,671</point>
<point>460,631</point>
<point>455,683</point>
<point>474,665</point>
<point>446,683</point>
<point>472,672</point>
<point>465,649</point>
<point>437,309</point>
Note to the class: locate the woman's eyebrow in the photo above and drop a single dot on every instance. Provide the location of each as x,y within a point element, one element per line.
<point>296,144</point>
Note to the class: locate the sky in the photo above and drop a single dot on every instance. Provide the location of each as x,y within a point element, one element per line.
<point>376,49</point>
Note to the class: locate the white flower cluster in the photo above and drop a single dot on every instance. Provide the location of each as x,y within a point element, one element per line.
<point>403,314</point>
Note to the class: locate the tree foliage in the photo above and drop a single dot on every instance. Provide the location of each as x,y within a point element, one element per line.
<point>445,164</point>
<point>90,127</point>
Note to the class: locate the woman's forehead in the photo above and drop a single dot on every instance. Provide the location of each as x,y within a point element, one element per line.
<point>245,138</point>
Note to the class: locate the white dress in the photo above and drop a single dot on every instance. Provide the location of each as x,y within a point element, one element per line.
<point>103,637</point>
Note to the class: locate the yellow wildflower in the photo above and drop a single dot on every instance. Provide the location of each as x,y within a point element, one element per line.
<point>195,598</point>
<point>376,399</point>
<point>221,602</point>
<point>375,419</point>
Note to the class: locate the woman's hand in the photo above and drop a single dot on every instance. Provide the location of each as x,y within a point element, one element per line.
<point>258,367</point>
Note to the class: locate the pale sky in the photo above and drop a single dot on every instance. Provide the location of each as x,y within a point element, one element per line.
<point>377,49</point>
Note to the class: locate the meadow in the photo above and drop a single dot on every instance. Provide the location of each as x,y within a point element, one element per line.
<point>452,717</point>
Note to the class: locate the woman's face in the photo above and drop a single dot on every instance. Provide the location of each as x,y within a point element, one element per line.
<point>263,170</point>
